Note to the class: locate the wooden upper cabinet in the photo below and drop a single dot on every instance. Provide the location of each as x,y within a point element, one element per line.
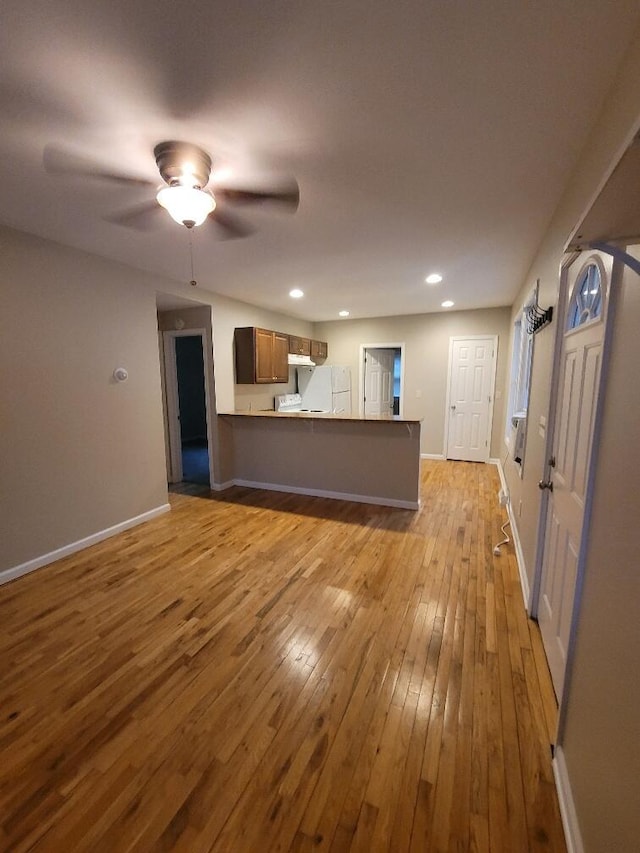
<point>299,346</point>
<point>319,349</point>
<point>281,357</point>
<point>261,356</point>
<point>265,371</point>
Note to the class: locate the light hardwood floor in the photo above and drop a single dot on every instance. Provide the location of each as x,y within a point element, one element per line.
<point>258,672</point>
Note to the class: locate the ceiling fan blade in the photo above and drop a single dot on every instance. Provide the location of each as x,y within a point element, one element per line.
<point>287,194</point>
<point>142,217</point>
<point>230,227</point>
<point>59,161</point>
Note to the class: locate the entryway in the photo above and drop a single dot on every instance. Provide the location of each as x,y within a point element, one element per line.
<point>571,449</point>
<point>187,395</point>
<point>381,372</point>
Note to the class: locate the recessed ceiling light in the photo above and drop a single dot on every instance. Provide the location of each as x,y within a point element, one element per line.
<point>447,303</point>
<point>296,293</point>
<point>434,278</point>
<point>343,313</point>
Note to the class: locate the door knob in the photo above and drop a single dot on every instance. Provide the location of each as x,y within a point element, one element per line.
<point>545,484</point>
<point>453,408</point>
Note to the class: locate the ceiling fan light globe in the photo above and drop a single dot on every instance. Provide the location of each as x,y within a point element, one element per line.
<point>186,204</point>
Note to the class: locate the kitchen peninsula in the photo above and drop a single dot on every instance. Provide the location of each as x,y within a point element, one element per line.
<point>368,459</point>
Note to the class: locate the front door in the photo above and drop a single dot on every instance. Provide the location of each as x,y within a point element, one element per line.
<point>378,382</point>
<point>577,397</point>
<point>472,370</point>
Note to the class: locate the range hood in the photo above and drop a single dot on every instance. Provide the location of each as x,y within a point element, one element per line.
<point>301,360</point>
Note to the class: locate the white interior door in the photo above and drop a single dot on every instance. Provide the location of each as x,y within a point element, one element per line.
<point>378,382</point>
<point>577,398</point>
<point>472,370</point>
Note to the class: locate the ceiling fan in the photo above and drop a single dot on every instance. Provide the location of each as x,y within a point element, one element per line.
<point>186,170</point>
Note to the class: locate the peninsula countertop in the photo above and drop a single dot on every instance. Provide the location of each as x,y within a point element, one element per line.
<point>327,416</point>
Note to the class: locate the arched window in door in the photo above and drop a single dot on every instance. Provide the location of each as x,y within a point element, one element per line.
<point>586,304</point>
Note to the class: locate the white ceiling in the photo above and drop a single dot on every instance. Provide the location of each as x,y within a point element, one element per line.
<point>425,135</point>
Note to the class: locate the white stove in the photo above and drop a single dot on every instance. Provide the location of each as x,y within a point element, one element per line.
<point>293,403</point>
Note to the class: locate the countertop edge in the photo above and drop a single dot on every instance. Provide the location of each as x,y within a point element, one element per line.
<point>323,416</point>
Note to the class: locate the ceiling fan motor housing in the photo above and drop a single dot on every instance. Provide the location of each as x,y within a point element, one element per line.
<point>172,156</point>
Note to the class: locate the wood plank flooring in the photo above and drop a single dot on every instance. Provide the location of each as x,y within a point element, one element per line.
<point>265,672</point>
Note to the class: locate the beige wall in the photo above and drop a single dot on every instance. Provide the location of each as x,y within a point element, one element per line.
<point>610,137</point>
<point>426,338</point>
<point>600,734</point>
<point>80,451</point>
<point>227,314</point>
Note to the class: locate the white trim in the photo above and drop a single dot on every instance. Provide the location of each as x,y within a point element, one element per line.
<point>431,456</point>
<point>515,537</point>
<point>572,834</point>
<point>503,479</point>
<point>610,300</point>
<point>173,408</point>
<point>363,350</point>
<point>560,319</point>
<point>492,391</point>
<point>322,493</point>
<point>220,487</point>
<point>165,407</point>
<point>522,568</point>
<point>44,560</point>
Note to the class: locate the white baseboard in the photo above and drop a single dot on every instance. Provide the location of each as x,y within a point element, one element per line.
<point>503,480</point>
<point>522,569</point>
<point>44,560</point>
<point>220,487</point>
<point>515,538</point>
<point>572,834</point>
<point>431,456</point>
<point>322,493</point>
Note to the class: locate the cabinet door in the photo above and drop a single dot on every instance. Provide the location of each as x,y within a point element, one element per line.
<point>264,355</point>
<point>319,349</point>
<point>280,357</point>
<point>299,346</point>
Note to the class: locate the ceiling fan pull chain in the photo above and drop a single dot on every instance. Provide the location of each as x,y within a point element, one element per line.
<point>193,281</point>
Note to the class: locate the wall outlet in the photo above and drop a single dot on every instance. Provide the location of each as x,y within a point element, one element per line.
<point>418,393</point>
<point>503,497</point>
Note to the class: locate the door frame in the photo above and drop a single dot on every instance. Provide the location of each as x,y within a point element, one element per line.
<point>561,312</point>
<point>361,388</point>
<point>610,303</point>
<point>172,408</point>
<point>492,392</point>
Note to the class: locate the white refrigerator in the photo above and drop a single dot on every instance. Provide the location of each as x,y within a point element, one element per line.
<point>326,388</point>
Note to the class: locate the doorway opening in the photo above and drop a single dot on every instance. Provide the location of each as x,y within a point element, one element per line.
<point>381,379</point>
<point>187,395</point>
<point>192,409</point>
